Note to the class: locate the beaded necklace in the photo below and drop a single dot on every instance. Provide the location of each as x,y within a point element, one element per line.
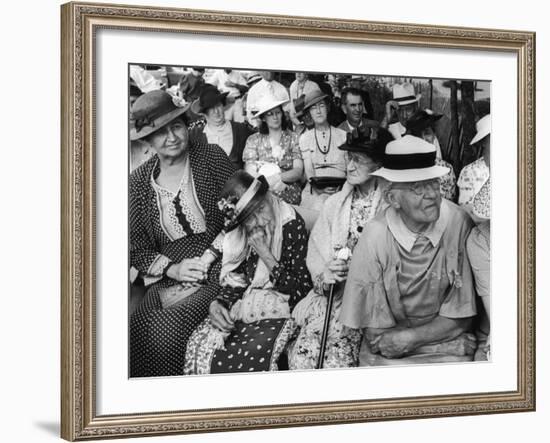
<point>324,150</point>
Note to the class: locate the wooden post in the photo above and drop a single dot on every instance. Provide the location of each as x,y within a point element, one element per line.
<point>454,148</point>
<point>468,154</point>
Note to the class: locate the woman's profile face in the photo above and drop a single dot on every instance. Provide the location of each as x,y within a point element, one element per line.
<point>359,168</point>
<point>319,112</point>
<point>171,140</point>
<point>274,118</point>
<point>262,217</point>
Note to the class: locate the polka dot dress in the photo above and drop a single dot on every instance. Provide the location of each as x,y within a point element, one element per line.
<point>256,346</point>
<point>158,337</point>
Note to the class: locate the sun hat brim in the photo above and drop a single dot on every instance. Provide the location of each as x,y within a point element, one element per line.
<point>271,106</point>
<point>157,124</point>
<point>256,200</point>
<point>411,175</point>
<point>480,136</point>
<point>314,101</point>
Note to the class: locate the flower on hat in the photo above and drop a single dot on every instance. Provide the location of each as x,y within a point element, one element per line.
<point>228,208</point>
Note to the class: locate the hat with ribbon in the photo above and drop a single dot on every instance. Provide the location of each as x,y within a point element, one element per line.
<point>483,127</point>
<point>208,98</point>
<point>253,78</point>
<point>151,111</point>
<point>237,209</point>
<point>410,159</point>
<point>313,97</point>
<point>403,93</point>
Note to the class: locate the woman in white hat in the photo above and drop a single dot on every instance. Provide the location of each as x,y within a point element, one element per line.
<point>410,284</point>
<point>274,151</point>
<point>322,158</point>
<point>473,176</point>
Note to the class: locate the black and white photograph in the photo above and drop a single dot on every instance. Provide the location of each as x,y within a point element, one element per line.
<point>305,220</point>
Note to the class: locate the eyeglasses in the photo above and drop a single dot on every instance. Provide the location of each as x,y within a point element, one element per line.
<point>319,105</point>
<point>361,160</point>
<point>420,188</point>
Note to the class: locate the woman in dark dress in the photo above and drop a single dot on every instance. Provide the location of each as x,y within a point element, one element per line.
<point>264,275</point>
<point>175,234</point>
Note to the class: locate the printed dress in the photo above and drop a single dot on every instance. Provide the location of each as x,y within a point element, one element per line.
<point>263,326</point>
<point>349,212</point>
<point>258,150</point>
<point>165,230</point>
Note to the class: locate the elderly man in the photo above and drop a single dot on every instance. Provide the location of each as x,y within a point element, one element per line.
<point>410,285</point>
<point>354,108</point>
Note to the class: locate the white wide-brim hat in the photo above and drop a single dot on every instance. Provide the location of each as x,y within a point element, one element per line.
<point>410,159</point>
<point>267,104</point>
<point>483,127</point>
<point>403,93</point>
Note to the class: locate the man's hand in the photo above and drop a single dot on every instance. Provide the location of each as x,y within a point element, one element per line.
<point>220,317</point>
<point>464,344</point>
<point>393,343</point>
<point>391,107</point>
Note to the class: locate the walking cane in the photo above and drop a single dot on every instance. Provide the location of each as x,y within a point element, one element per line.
<point>326,325</point>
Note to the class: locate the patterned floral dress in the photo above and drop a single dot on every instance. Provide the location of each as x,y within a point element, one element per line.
<point>343,344</point>
<point>447,183</point>
<point>258,149</point>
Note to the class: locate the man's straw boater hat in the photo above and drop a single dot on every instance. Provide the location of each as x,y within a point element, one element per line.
<point>410,159</point>
<point>403,93</point>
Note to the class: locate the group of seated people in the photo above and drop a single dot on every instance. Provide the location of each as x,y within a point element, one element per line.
<point>242,233</point>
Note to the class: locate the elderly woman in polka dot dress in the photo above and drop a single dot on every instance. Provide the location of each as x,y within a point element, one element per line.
<point>264,275</point>
<point>175,227</point>
<point>332,241</point>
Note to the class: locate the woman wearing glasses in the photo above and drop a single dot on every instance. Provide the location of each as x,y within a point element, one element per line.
<point>331,243</point>
<point>324,163</point>
<point>410,285</point>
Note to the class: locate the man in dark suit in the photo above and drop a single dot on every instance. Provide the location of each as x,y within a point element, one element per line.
<point>354,108</point>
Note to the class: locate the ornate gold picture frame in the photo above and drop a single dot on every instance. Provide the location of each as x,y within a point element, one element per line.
<point>80,23</point>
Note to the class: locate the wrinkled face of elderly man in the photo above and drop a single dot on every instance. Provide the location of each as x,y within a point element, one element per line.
<point>418,203</point>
